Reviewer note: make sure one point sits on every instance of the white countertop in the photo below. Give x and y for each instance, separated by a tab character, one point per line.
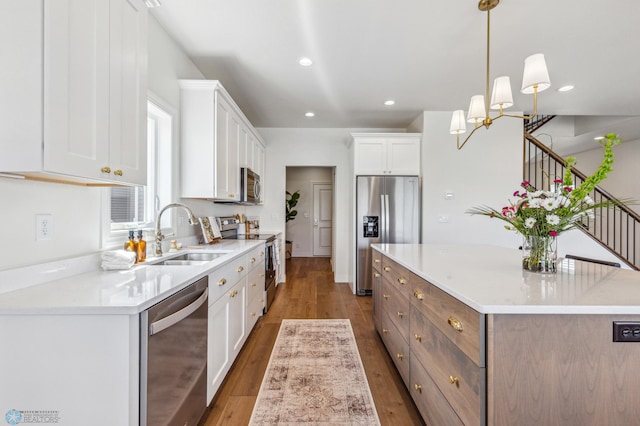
491	280
116	292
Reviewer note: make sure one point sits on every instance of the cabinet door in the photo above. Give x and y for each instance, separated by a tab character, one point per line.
377	300
128	91
227	169
370	156
258	157
237	317
403	156
218	353
245	150
76	87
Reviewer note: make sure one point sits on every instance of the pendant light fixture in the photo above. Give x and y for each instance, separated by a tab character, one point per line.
535	79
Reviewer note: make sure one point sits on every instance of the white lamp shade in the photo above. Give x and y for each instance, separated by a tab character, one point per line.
457	123
476	109
535	73
501	94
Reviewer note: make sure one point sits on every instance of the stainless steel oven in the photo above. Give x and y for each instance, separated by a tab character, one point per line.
270	272
173	361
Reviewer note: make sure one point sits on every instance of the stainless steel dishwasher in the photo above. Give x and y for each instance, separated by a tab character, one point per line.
173	358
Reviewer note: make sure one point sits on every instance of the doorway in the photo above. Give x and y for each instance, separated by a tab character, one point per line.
311	232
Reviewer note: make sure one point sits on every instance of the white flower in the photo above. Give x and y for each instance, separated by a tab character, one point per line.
564	201
553	219
549	193
536	194
534	203
530	222
588	200
550	204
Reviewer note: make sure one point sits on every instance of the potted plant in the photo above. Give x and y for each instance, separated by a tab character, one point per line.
290	202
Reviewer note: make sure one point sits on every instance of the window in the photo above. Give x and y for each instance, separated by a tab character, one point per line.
135	207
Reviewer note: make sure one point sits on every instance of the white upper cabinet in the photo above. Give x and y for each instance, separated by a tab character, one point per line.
386	153
217	140
84	90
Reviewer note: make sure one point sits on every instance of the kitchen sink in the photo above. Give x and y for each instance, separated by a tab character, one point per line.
193	259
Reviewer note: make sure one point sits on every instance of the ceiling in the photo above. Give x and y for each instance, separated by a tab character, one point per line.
424	54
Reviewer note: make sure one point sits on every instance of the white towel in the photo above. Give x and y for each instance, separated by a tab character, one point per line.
118	259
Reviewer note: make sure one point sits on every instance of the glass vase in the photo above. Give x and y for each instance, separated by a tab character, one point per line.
539	253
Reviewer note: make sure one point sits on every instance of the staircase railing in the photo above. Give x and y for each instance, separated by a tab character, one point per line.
616	228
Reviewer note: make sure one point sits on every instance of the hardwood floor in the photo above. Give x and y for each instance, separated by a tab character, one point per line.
311	293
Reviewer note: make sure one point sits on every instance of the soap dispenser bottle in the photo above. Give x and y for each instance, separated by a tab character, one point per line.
131	244
142	247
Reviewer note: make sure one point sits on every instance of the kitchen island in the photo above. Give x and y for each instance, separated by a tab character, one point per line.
477	340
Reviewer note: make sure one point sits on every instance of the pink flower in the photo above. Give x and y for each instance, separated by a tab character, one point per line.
557	181
567	188
516	194
553	233
525	184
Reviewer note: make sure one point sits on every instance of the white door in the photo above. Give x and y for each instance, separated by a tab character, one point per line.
322	216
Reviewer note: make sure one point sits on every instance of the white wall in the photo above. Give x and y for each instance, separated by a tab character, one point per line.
76	210
487	171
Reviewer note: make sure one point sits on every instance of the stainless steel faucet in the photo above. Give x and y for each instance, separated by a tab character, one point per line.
159	236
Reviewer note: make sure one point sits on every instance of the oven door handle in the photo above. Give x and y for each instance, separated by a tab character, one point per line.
176	317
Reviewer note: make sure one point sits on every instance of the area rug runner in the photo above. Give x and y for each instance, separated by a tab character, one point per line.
315	377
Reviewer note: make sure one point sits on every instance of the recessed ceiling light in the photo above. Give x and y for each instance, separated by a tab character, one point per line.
389	102
565	88
598	138
310	114
305	62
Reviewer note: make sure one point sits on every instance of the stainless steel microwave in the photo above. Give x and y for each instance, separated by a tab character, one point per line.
250	190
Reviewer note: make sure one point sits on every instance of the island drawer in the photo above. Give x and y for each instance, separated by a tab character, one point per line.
255	256
376	260
433	406
397	346
397	307
255	283
398	275
464	326
459	379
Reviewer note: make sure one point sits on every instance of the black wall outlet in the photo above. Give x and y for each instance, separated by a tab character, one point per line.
626	331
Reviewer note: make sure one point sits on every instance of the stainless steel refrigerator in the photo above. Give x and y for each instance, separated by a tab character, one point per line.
387	211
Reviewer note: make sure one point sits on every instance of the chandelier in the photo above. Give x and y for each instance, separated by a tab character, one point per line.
535	79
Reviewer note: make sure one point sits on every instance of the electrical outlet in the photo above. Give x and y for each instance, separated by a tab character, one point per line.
626	331
44	227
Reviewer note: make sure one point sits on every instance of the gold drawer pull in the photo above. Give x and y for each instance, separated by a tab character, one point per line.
240	268
262	275
253	314
418	295
385	331
454	381
418	337
222	282
262	253
376	275
252	260
253	284
402	281
117	172
455	323
233	293
418	388
399	356
231	195
386	269
106	169
385	296
400	314
376	261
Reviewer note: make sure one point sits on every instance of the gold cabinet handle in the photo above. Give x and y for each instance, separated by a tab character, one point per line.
233	293
385	331
117	172
418	295
240	268
455	323
376	275
262	275
454	381
386	269
399	356
262	253
418	337
402	281
222	282
376	261
417	387
400	314
385	296
231	195
106	169
252	260
253	284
